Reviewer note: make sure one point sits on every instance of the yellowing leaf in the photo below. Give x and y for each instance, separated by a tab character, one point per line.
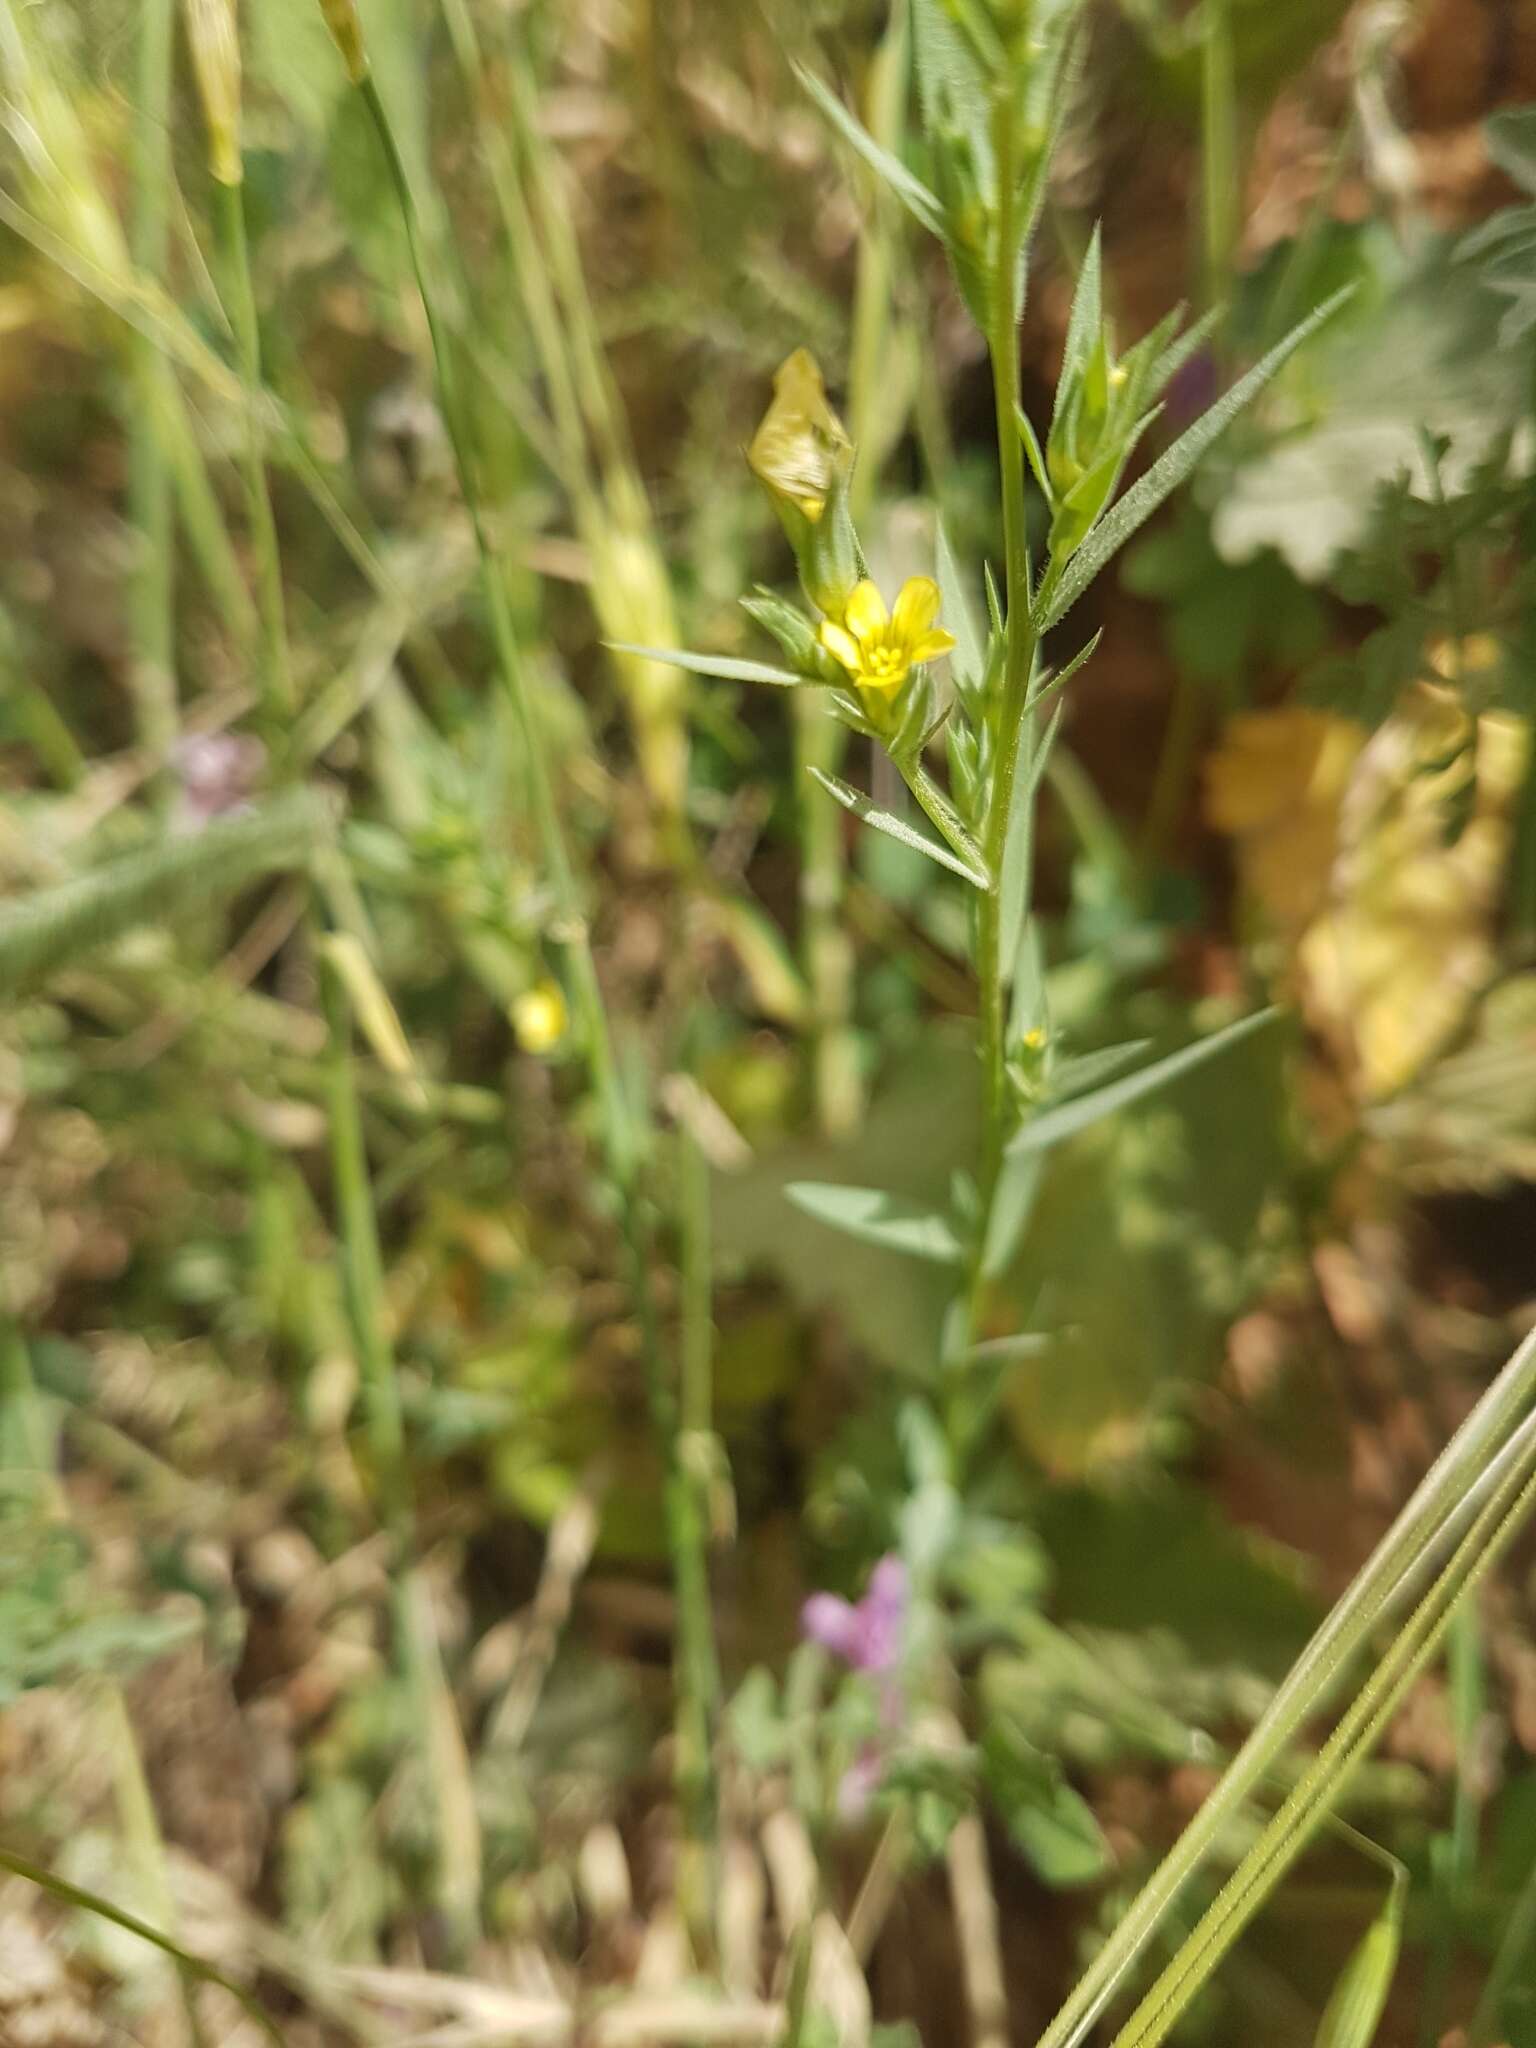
1275	786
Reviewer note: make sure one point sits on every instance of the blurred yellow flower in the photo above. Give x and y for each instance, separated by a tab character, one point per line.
539	1017
801	443
880	649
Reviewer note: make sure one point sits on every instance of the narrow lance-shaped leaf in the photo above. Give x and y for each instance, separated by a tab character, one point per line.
1087	316
725	666
1071	1117
54	926
910	190
1172	468
896	828
1359	1998
878	1218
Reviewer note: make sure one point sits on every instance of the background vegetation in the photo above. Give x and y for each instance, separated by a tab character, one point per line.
448	1332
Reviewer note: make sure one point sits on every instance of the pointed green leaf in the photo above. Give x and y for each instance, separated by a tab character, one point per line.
1065	1121
1173	467
1086	319
1092	1069
1057	679
52	927
878	1218
910	190
1036	455
896	828
1353	2012
726	666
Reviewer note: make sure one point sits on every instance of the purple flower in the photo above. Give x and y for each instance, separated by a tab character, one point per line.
867	1633
217	772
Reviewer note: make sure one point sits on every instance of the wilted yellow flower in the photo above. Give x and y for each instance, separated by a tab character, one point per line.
880	650
798	448
539	1017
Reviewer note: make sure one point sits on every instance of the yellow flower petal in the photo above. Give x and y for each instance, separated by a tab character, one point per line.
917	606
865	614
840	644
929	646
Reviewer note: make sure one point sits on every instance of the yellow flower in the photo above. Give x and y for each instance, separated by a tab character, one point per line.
539	1017
801	443
880	650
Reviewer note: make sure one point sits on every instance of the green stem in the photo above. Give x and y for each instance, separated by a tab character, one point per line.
240	300
151	500
698	1678
362	1278
1011	737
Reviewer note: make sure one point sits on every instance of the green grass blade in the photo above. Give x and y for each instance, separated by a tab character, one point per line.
1474	1454
91	1902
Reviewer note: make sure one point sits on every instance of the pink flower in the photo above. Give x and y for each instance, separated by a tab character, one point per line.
867	1633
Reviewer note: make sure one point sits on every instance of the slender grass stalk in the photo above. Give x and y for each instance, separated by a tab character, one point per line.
151	498
362	1272
92	1902
1312	1681
820	742
1361	1726
240	303
630	588
697	1668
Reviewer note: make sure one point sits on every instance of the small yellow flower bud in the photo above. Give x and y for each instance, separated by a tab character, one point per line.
213	38
346	29
539	1017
